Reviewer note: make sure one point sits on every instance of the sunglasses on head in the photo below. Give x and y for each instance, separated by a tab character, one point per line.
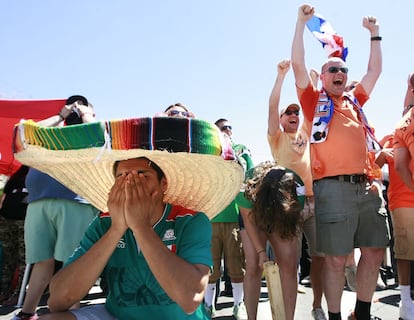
226	128
333	69
290	112
177	113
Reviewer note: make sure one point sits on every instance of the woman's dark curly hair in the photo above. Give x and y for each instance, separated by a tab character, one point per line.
276	208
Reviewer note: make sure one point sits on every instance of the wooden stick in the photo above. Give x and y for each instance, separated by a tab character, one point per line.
274	288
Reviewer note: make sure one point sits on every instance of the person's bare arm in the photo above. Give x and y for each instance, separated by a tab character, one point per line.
257	236
169	270
402	166
73	282
305	13
85	112
409	94
374	69
53	121
273	120
383	156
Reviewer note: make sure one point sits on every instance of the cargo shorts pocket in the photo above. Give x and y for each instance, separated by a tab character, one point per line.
332	218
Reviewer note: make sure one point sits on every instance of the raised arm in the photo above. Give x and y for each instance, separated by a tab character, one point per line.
403	153
85	112
375	56
409	94
54	121
305	13
274	100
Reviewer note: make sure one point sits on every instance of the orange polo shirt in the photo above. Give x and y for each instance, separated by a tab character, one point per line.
399	195
345	150
404	135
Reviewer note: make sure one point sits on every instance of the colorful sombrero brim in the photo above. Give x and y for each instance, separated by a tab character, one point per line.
82	158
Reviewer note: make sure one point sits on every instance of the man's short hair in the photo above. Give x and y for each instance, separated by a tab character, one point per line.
178	104
220	121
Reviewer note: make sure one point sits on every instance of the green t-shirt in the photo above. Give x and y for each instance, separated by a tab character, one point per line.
231	212
133	291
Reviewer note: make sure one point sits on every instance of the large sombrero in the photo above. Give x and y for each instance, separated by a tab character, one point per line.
189	151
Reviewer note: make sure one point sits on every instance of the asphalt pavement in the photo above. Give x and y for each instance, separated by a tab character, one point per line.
384	306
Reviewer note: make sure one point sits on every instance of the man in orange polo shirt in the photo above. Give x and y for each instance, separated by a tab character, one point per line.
349	211
401	199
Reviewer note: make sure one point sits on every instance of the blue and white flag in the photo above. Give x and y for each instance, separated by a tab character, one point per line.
331	41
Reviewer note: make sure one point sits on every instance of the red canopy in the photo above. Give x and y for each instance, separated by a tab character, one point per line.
11	112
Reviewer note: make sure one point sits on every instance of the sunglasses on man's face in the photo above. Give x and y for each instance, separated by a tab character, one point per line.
223	128
337	69
173	113
290	112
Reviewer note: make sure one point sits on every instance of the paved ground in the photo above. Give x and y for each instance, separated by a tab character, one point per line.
385	304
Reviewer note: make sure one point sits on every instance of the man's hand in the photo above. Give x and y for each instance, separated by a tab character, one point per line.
139	202
116	202
370	23
305	13
66	111
283	67
388	154
84	109
262	259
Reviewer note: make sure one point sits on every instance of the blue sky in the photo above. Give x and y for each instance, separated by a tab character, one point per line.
133	58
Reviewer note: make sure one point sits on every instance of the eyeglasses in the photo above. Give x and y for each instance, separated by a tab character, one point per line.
333	69
290	112
173	113
226	128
